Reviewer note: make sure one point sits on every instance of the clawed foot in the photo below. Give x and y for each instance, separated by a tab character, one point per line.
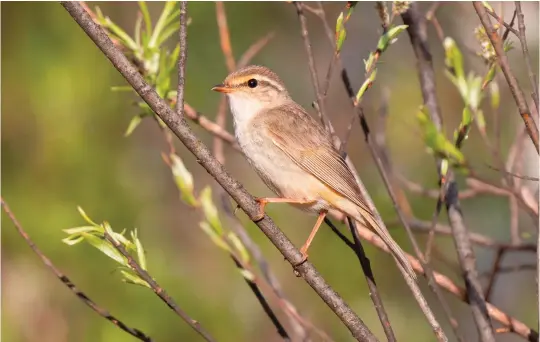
304	257
260	215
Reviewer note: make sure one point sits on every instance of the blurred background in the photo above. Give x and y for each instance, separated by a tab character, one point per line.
63	146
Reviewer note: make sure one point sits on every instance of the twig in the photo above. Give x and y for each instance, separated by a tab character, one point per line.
444	282
182	59
356	106
359	251
248	204
525	49
370	279
311	62
509	27
66	281
158	290
254	49
517	93
449	193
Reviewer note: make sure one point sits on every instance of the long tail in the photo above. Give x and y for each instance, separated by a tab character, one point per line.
388	240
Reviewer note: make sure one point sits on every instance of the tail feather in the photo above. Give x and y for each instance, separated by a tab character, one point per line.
388	240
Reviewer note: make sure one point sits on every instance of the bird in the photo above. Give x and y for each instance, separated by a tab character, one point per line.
294	155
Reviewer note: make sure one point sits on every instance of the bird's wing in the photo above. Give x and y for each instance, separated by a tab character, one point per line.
301	138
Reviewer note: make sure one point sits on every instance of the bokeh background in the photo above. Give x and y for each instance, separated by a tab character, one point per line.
63	146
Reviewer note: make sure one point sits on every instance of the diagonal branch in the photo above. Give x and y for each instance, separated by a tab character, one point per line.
248	204
158	290
66	281
517	93
449	192
182	59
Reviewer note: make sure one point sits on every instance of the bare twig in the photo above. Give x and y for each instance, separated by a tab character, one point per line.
356	106
509	27
158	290
512	324
311	62
182	59
525	49
502	59
248	204
418	35
66	281
254	49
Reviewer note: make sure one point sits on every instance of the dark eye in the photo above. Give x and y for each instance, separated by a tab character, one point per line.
252	83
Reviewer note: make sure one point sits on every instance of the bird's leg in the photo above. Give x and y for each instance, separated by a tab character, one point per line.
305	247
264	201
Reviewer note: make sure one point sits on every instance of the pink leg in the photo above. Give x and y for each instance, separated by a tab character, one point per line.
305	247
264	201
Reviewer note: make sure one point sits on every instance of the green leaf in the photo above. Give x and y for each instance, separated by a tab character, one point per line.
490	75
365	86
134	123
139	248
239	246
480	121
466	117
474	92
210	210
390	37
160	25
487	5
340	39
138	28
85	217
146	16
104	246
133	278
495	95
436	141
183	179
247	274
339	23
83	229
217	239
73	240
454	58
168	31
124	38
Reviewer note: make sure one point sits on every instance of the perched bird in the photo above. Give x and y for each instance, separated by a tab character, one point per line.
294	154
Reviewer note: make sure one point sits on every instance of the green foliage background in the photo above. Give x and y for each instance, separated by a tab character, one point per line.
63	146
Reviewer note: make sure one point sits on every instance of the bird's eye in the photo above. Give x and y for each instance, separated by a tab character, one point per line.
252	83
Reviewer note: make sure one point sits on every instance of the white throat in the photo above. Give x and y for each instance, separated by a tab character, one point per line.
244	108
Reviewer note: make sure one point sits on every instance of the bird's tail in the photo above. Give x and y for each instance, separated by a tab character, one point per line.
367	217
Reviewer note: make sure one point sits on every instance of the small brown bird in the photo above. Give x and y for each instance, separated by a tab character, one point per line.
294	154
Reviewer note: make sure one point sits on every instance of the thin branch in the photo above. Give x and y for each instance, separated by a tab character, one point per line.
158	290
509	27
311	62
248	204
370	279
254	49
444	282
517	93
356	106
418	35
182	59
525	49
67	282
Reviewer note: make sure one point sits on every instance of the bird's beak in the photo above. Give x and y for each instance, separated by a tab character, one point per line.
221	88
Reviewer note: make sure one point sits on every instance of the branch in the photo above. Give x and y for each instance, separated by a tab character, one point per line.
181	129
509	322
66	281
158	290
182	59
525	49
418	35
517	93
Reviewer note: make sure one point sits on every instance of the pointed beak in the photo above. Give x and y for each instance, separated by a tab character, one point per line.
221	88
